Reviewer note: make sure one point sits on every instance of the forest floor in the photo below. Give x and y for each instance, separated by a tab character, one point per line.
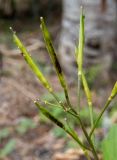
25	134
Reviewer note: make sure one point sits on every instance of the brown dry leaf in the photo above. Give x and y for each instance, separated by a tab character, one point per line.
59	144
71	154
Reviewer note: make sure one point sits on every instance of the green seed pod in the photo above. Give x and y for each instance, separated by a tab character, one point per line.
54	58
52	53
31	63
81	41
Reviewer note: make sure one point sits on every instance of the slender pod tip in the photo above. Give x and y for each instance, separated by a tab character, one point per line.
82	11
11	29
82	8
35	101
45	102
14	32
41	18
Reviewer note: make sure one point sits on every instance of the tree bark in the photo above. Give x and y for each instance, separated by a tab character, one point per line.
99	33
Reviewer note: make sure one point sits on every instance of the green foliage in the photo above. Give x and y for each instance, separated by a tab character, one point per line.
109	145
85	114
24	125
72	144
58	132
58	112
91	74
4	133
48	97
8	148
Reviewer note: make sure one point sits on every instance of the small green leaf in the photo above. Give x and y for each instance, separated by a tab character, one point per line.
58	132
31	63
24	125
4	133
72	144
8	148
109	145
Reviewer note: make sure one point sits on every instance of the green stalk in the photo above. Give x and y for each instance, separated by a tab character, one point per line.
87	155
89	140
60	124
91	118
86	135
74	113
79	54
79	90
89	99
99	117
113	94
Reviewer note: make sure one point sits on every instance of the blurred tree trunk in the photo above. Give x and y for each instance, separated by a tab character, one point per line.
22	8
99	33
6	8
10	7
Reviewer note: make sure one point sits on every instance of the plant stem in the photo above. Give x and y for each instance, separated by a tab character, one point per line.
91	118
89	97
78	141
67	98
112	95
98	119
88	139
80	121
87	155
58	101
86	135
79	89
